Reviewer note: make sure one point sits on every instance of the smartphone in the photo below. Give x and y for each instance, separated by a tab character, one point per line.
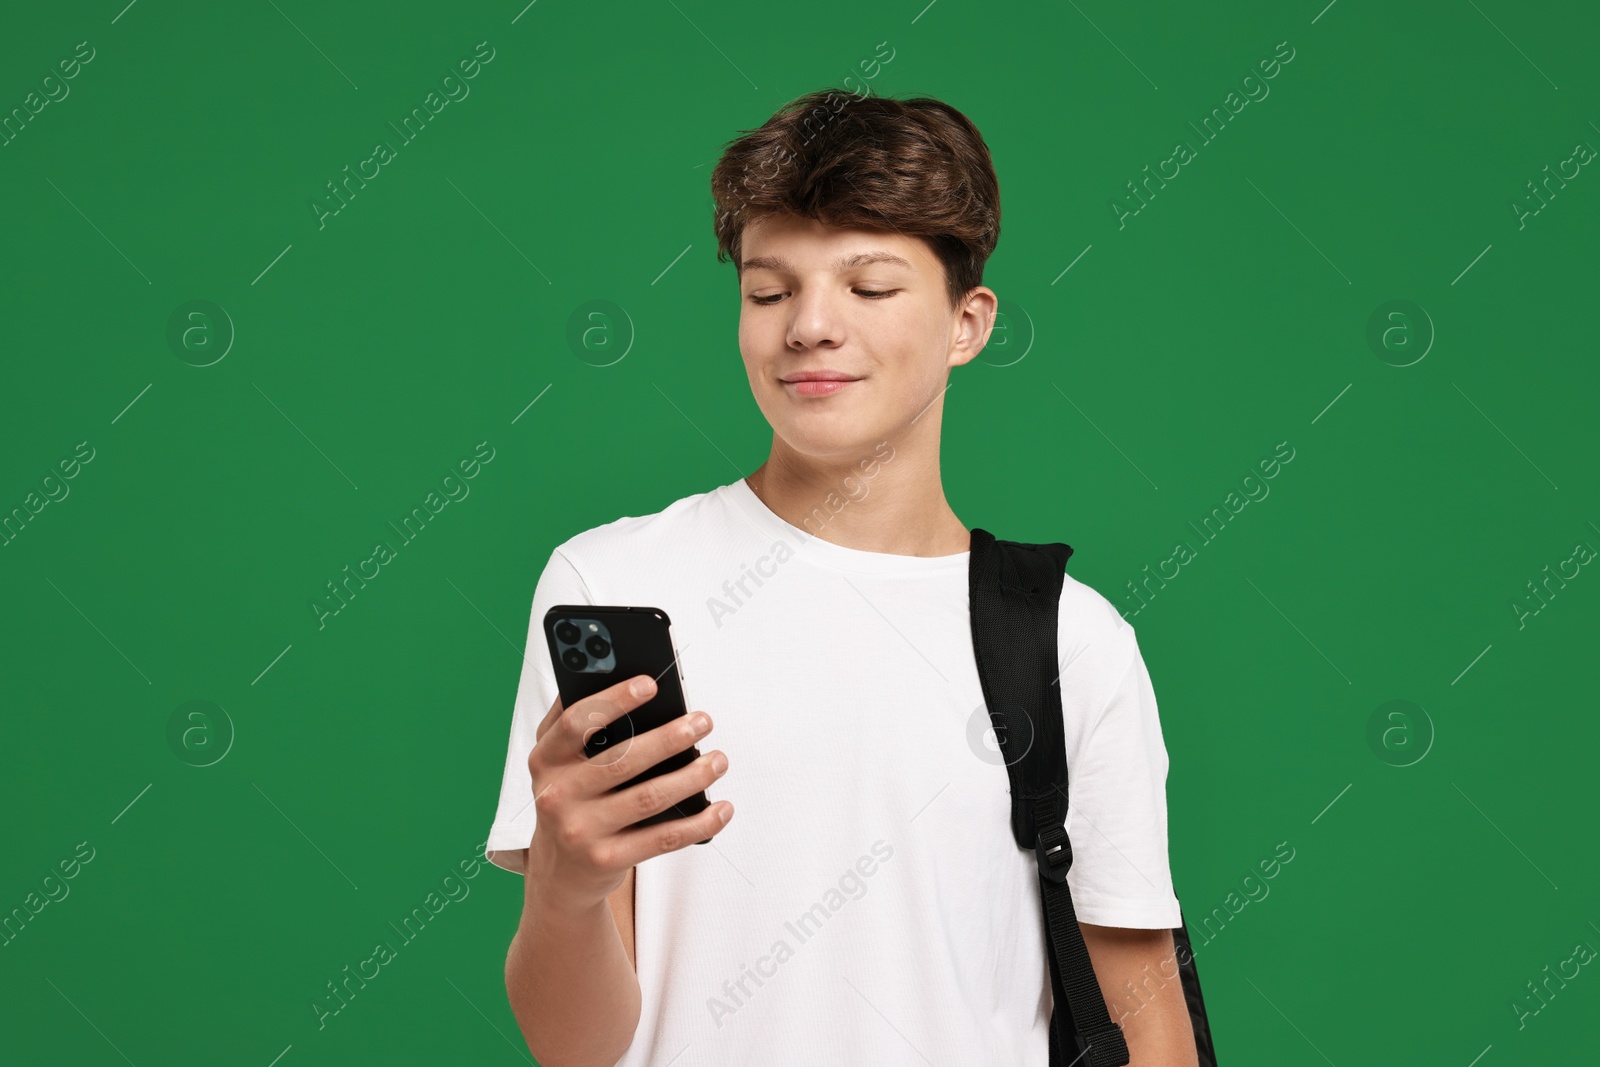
594	647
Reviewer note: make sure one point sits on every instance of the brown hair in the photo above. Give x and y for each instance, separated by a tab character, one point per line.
917	167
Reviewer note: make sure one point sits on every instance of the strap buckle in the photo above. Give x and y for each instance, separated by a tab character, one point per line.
1054	853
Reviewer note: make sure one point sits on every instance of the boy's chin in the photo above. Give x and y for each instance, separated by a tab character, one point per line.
849	444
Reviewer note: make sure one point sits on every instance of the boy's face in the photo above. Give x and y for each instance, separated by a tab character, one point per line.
807	303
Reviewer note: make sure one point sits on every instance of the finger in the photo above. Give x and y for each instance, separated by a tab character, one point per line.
575	725
655	795
635	755
549	718
636	846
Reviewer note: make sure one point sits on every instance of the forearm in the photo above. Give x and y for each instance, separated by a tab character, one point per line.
1160	1034
1140	978
572	989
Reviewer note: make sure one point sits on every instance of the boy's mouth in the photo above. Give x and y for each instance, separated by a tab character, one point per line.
818	382
819	386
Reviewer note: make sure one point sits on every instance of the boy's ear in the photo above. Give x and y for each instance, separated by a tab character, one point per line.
975	318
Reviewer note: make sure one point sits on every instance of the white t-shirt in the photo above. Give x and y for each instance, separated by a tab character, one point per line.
867	903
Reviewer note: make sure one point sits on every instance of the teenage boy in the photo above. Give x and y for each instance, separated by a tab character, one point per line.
869	904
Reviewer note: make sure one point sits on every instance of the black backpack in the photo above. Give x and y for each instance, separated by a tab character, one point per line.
1015	592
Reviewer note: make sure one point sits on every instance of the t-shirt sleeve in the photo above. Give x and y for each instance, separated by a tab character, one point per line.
512	829
1117	810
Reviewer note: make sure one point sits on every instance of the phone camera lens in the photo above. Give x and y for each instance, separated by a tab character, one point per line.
568	632
574	659
598	647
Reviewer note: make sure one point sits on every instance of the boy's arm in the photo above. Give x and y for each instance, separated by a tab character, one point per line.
1132	968
569	972
571	980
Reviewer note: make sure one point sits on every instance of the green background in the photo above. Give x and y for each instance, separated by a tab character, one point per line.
1122	400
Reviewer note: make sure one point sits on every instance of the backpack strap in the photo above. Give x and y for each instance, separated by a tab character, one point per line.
1014	590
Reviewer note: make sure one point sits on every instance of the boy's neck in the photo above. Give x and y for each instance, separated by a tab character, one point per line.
898	508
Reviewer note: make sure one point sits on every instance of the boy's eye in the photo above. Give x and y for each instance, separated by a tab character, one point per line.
873	294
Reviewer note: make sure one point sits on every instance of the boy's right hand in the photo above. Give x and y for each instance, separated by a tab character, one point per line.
582	847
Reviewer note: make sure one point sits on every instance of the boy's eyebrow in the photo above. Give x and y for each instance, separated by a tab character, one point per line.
843	263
